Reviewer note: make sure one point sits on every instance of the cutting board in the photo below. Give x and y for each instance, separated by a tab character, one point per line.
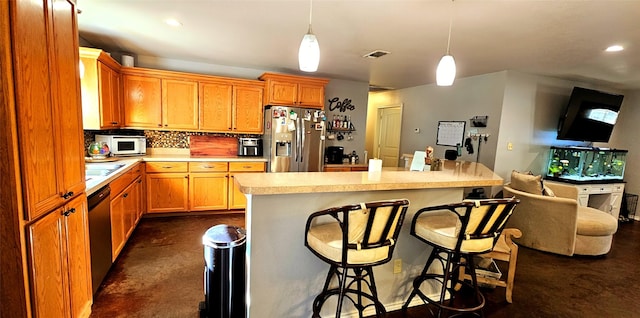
213	146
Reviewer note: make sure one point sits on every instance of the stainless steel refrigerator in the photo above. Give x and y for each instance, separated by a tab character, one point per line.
293	139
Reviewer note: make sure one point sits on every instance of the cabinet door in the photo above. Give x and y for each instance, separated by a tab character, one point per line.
49	282
142	101
109	83
167	192
117	225
35	111
179	104
248	110
282	93
237	200
311	95
215	106
78	256
208	191
131	205
68	107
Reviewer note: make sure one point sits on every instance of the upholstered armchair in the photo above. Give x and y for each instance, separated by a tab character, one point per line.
556	223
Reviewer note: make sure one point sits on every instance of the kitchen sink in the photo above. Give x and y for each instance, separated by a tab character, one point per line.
101	170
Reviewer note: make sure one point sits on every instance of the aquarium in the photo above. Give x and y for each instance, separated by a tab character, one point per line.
586	164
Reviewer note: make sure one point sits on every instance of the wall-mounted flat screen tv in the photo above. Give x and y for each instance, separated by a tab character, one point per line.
590	115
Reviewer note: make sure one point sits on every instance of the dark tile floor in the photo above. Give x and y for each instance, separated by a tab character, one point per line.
159	274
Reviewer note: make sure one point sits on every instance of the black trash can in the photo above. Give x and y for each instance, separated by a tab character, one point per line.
224	272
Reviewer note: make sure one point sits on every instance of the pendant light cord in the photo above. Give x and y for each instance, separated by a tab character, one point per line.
310	13
450	24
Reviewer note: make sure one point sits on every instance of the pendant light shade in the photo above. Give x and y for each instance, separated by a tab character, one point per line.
446	71
309	52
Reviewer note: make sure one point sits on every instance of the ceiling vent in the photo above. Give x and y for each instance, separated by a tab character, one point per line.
376	88
376	54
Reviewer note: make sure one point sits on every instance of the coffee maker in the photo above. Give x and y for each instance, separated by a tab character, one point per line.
334	154
250	147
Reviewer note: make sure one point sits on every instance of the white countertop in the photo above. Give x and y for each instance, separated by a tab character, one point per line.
454	174
94	183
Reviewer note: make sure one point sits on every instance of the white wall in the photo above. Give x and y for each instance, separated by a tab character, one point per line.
523	110
530	113
357	94
625	136
424	106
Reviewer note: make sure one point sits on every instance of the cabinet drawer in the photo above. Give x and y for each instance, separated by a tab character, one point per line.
584	189
207	166
167	166
246	166
618	187
601	189
121	182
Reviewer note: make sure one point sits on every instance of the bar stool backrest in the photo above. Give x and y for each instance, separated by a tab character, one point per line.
484	219
368	225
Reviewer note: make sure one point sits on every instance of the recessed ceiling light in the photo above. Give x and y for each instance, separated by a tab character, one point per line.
173	22
615	48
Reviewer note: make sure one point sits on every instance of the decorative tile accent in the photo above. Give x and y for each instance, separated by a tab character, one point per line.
158	138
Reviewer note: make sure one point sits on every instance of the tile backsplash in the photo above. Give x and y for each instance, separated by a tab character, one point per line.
156	138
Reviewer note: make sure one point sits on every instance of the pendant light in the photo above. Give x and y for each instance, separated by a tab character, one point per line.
446	71
309	53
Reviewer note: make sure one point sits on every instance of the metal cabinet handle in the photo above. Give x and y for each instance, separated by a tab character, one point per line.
68	212
67	195
125	195
167	167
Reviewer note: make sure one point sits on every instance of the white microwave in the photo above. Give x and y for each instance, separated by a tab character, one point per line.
124	145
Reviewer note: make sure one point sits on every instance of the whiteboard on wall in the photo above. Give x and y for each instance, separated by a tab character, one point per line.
450	133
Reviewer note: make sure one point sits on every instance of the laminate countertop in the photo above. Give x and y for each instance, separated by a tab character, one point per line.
453	174
94	183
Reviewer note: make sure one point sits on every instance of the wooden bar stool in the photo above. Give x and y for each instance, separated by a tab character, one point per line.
353	239
505	250
457	232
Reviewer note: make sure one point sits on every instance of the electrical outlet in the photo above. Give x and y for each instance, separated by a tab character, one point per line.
509	146
397	266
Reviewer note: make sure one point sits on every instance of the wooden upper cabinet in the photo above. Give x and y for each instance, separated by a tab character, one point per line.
142	97
290	90
247	109
179	104
282	93
215	106
311	94
101	90
231	106
49	117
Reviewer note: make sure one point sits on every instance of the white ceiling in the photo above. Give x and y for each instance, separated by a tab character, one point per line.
562	38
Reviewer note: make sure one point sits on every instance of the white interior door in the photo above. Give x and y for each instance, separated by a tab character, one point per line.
389	128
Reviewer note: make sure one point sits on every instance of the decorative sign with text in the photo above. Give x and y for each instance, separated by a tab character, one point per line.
341	106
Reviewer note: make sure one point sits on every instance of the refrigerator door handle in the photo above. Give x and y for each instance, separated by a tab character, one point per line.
302	136
298	139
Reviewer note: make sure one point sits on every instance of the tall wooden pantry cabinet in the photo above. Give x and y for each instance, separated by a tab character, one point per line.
44	258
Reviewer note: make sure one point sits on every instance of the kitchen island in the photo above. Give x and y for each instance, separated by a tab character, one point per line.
284	276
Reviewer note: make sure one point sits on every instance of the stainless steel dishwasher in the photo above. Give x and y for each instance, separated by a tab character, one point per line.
100	235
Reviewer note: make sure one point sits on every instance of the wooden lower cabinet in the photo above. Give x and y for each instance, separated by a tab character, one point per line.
126	208
167	192
208	191
237	200
203	186
60	263
347	168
